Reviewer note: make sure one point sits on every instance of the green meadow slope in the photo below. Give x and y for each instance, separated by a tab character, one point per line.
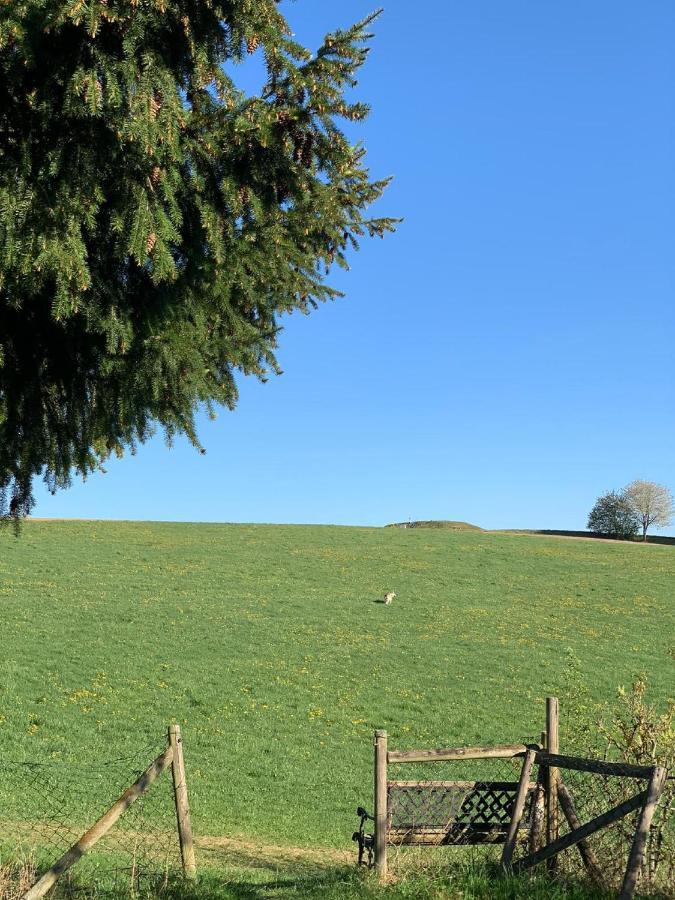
267	644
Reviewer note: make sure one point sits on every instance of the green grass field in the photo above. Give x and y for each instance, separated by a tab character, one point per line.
266	644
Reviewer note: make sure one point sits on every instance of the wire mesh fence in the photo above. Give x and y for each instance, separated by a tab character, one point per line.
585	795
46	806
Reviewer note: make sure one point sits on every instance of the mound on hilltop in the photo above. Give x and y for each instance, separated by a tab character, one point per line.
437	523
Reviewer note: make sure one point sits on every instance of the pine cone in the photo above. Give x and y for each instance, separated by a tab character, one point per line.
252	44
307	151
155	175
150	243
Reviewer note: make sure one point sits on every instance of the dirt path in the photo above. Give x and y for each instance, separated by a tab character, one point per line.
242	851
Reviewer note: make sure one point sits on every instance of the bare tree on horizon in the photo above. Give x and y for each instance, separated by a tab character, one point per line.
653	504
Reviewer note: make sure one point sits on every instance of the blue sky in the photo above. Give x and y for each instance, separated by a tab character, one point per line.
508	354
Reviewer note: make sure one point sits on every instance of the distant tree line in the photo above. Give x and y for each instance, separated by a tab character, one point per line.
640	505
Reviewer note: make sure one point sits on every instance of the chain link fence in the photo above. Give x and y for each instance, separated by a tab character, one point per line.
46	806
588	795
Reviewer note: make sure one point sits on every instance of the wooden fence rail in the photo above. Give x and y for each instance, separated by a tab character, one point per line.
505	751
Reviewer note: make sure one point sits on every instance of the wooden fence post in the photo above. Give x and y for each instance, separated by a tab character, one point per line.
586	852
552	746
381	804
518	807
656	783
538	804
187	850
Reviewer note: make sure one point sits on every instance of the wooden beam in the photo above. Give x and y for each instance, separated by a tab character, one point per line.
497	785
538	804
518	807
538	815
381	804
101	827
569	840
446	835
187	847
588	857
552	745
656	784
598	766
505	751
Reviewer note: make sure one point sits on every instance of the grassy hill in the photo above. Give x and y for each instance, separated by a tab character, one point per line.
437	523
267	644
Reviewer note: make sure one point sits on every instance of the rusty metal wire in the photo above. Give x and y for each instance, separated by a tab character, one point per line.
46	806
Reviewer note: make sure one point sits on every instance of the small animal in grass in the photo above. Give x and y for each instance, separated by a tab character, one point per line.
388	597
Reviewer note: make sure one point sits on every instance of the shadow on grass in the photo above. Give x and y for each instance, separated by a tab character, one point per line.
290	874
342	883
351	885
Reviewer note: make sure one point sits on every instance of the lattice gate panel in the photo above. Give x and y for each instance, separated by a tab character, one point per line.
450	812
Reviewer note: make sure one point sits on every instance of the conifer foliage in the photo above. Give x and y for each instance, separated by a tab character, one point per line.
155	221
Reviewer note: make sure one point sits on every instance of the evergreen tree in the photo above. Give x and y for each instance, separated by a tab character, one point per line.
613	515
155	221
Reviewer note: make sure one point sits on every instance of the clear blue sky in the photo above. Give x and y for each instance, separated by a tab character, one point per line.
508	354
